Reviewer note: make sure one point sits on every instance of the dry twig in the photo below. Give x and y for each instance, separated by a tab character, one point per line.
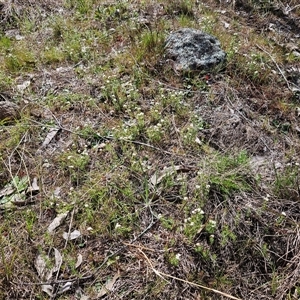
162	275
277	66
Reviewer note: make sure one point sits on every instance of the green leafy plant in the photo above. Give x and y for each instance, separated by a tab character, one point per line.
14	191
226	235
174	259
194	223
75	164
167	223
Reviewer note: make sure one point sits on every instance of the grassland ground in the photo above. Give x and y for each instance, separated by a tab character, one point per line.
122	179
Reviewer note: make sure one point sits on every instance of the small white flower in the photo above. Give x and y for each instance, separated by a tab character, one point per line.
213	223
117	226
200	211
178	256
283	213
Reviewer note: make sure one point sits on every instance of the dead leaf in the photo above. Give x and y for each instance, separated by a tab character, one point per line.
58	260
72	236
157	178
47	288
6	191
108	285
45	273
65	287
52	133
197	140
79	261
41	267
57	221
34	188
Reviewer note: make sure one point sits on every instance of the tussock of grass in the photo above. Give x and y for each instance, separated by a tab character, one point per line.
180	187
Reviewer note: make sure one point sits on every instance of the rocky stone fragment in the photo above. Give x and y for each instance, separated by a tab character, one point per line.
8	110
193	50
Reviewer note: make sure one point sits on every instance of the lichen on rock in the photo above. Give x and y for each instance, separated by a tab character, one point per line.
193	50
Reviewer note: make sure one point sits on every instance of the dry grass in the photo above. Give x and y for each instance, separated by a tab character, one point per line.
180	188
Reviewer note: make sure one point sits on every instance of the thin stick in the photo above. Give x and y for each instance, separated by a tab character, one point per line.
70	227
139	247
161	274
107	138
281	72
142	144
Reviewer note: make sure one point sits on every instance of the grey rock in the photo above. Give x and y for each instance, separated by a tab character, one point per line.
193	50
8	110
